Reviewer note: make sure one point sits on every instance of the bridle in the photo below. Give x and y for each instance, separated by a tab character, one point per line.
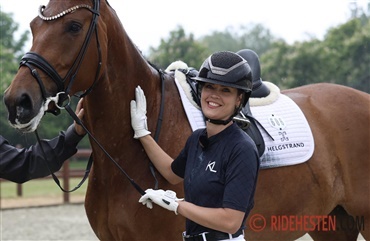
32	59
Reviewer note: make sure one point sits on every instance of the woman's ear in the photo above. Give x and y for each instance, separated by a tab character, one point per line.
239	100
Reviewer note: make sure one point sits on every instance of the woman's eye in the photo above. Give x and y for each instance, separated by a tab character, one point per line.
208	86
226	90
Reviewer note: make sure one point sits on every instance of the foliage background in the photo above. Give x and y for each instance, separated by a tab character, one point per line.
342	57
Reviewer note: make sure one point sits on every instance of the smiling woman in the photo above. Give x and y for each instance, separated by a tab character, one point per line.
218	164
229	96
226	74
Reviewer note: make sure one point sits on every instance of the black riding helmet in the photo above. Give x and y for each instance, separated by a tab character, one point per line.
228	69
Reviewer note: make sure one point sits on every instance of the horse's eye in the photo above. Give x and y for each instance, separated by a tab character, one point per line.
74	27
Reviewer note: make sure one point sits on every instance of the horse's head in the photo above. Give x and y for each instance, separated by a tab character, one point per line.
65	58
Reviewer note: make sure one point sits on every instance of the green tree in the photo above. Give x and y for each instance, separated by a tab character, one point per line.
349	45
274	65
10	50
257	37
178	46
182	46
7	30
251	36
222	40
342	58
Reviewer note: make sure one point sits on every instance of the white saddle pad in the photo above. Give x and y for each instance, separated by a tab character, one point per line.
293	141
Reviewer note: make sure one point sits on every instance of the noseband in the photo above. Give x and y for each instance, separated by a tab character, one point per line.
32	59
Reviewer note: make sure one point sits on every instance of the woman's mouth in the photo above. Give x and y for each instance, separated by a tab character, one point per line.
213	104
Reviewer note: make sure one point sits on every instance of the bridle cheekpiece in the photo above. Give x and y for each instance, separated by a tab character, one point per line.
32	59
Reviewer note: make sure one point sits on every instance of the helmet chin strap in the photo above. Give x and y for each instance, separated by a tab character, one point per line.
222	122
219	122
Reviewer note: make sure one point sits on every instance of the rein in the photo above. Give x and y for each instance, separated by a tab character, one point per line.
156	137
159	124
33	59
78	121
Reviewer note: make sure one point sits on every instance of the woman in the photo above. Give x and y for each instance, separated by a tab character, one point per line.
21	165
219	164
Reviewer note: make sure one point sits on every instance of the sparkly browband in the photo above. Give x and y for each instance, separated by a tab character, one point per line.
59	15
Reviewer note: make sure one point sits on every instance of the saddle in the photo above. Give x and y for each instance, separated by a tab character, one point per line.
244	119
259	90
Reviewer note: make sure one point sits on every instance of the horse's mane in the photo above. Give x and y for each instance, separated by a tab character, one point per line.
138	49
106	1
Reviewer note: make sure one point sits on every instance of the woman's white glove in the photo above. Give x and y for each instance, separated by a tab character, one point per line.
138	114
166	199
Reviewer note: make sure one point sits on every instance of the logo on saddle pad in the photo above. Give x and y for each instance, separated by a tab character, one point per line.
276	121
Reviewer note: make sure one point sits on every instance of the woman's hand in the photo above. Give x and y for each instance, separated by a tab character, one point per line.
80	114
138	114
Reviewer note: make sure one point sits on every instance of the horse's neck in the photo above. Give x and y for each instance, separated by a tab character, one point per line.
126	68
126	61
123	58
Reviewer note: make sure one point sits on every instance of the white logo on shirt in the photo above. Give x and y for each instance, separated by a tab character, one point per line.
211	165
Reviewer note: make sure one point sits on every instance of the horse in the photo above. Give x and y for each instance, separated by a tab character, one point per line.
85	41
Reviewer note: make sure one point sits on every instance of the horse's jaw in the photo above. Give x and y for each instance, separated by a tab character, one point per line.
32	125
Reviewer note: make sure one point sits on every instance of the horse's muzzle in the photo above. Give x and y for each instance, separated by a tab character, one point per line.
21	108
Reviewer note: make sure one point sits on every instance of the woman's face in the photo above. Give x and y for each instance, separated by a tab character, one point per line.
218	101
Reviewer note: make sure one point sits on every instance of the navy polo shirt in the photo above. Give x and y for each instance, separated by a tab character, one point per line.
218	172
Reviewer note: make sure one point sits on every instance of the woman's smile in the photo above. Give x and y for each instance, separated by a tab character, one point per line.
212	104
219	101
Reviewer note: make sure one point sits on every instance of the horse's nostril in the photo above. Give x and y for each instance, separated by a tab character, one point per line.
25	102
24	108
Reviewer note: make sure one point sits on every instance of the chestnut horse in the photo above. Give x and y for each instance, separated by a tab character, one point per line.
89	46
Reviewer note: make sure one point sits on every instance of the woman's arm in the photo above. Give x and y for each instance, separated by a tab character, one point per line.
222	219
161	160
